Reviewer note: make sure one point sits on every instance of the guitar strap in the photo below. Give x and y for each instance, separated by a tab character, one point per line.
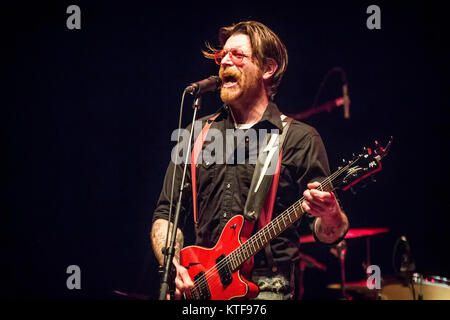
194	157
263	188
260	201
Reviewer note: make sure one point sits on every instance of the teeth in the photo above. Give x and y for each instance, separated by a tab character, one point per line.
229	80
229	84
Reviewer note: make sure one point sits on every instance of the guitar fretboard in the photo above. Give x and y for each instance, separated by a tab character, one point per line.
269	232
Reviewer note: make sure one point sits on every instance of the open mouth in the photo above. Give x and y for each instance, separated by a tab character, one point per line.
229	81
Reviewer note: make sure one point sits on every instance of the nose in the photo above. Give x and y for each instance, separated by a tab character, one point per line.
227	59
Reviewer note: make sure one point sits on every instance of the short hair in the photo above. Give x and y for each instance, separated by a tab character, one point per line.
265	44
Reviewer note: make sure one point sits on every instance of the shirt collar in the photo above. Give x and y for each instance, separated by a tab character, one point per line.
271	114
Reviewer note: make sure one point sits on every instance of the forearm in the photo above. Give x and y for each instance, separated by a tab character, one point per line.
158	239
331	228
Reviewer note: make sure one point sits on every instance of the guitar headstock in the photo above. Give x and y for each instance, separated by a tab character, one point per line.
362	166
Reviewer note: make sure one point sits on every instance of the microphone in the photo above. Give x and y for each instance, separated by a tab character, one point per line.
345	95
212	83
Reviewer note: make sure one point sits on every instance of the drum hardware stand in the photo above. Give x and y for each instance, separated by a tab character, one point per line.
340	251
408	266
301	288
367	263
304	262
420	296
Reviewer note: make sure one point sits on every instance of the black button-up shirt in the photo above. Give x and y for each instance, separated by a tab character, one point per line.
223	187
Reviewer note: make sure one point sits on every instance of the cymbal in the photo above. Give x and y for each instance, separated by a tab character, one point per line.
352	233
357	285
358	288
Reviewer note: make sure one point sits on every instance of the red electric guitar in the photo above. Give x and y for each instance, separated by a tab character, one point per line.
218	272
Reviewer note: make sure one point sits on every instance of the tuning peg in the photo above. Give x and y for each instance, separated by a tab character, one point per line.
367	151
378	148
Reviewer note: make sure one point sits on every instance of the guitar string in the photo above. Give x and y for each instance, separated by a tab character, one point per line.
224	262
244	247
252	239
210	273
247	246
214	282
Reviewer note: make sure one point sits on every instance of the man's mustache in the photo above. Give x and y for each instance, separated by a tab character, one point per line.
229	73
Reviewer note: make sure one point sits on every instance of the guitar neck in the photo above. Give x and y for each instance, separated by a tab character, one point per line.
269	232
354	171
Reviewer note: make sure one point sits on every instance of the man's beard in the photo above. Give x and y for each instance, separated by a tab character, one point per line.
236	86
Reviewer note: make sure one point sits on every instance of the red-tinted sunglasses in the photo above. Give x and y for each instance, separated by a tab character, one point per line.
236	55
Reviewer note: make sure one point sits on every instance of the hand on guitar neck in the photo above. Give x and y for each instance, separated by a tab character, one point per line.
331	222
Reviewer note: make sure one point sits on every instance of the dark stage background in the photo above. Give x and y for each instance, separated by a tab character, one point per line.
87	115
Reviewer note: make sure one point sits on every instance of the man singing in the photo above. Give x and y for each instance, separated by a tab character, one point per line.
252	62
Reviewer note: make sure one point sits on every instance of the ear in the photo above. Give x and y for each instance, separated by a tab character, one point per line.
269	69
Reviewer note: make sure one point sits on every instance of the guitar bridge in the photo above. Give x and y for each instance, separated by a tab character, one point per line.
201	286
224	271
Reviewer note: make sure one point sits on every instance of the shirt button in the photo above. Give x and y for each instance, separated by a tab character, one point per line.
228	186
224	214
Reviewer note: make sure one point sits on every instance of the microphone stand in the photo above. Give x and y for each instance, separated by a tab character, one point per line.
170	251
327	106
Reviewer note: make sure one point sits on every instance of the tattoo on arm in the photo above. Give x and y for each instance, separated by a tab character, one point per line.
331	231
158	239
328	231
